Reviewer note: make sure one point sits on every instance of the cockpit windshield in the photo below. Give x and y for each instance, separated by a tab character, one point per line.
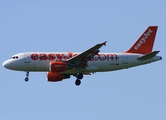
14	57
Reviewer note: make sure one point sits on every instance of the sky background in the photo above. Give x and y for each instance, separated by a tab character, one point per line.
132	94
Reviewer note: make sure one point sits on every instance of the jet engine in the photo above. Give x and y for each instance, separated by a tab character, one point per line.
55	77
59	66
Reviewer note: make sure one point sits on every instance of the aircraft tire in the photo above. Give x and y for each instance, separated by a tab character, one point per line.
80	76
26	79
78	82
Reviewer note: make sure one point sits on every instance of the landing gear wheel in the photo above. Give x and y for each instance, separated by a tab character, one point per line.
79	75
78	82
26	79
27	74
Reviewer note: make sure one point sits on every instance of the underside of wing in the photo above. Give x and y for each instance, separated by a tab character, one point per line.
80	61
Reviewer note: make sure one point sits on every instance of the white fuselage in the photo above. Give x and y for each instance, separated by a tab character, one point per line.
40	61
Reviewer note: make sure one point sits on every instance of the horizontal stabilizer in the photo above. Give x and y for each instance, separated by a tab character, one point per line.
148	56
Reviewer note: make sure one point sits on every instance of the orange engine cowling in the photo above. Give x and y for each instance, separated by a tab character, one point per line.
58	66
55	77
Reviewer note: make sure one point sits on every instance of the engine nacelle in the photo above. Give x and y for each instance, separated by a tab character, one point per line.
58	66
55	77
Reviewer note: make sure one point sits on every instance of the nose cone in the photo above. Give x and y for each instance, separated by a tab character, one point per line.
8	64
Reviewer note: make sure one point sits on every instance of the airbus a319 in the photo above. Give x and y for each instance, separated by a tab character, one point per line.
63	65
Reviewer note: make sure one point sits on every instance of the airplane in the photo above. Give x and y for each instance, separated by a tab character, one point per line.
63	65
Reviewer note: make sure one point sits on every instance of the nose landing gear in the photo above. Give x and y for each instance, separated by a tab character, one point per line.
26	78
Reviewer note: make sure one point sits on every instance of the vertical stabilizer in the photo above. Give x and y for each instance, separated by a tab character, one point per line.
144	44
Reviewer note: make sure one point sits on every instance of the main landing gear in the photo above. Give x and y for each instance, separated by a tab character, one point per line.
78	82
26	78
79	76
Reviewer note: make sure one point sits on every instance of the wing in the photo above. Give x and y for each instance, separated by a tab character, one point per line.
81	59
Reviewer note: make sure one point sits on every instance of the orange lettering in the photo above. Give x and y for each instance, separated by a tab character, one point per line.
34	56
95	58
59	56
43	57
51	56
102	57
70	54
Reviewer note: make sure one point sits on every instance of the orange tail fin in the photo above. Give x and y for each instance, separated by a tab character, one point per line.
145	43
